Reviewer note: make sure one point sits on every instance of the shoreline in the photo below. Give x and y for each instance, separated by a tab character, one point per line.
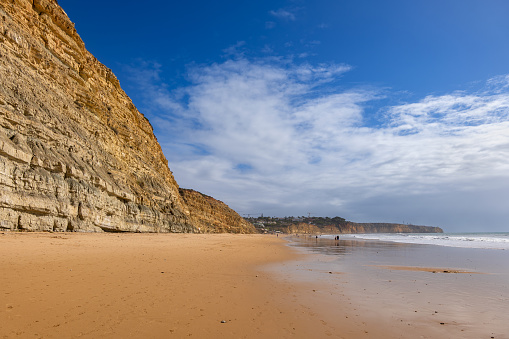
402	290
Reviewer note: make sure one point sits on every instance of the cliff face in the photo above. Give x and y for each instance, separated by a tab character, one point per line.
75	153
213	216
352	227
303	228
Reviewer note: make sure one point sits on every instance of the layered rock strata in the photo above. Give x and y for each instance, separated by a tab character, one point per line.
75	153
214	216
353	227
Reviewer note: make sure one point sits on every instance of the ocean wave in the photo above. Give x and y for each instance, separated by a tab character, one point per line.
467	240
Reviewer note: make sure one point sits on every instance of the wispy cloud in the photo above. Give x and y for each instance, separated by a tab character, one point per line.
270	24
234	50
260	135
283	14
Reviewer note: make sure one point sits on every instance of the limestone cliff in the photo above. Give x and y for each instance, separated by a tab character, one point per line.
353	227
75	153
303	228
213	216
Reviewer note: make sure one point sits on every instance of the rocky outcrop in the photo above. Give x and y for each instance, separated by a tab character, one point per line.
214	216
352	227
75	153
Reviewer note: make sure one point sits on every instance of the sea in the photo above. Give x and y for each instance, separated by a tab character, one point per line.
455	285
496	241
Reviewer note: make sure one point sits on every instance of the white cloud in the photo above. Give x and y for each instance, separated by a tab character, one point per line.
234	50
283	14
453	111
266	135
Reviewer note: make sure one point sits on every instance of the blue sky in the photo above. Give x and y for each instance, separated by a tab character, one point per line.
394	111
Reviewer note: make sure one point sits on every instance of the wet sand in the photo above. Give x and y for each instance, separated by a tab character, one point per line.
211	286
400	290
425	269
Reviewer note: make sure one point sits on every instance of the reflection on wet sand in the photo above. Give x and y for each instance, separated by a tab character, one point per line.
342	246
424	269
406	286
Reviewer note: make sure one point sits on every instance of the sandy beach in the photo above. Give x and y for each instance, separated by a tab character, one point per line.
67	285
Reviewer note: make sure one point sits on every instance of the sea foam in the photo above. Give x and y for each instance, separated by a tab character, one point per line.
498	241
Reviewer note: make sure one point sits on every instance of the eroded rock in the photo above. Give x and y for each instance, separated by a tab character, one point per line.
75	153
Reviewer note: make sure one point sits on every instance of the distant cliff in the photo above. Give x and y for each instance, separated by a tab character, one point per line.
352	227
75	153
336	225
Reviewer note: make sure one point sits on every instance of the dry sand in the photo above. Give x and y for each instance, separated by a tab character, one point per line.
148	286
